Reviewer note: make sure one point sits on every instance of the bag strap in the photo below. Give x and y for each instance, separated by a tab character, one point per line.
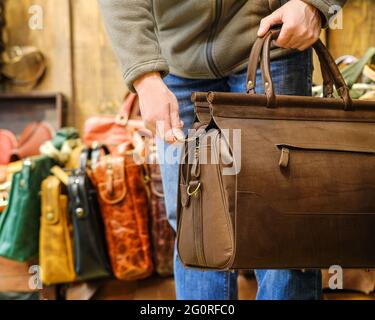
60	174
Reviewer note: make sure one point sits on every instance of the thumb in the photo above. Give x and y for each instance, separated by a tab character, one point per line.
176	123
267	22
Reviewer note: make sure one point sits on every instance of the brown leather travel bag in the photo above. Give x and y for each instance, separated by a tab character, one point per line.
288	182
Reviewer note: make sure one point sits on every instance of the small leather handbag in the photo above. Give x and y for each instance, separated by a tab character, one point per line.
287	182
20	222
124	206
90	256
55	243
162	234
8	142
31	139
113	130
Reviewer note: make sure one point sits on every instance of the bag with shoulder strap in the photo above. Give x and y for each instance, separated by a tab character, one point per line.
123	200
289	181
55	243
90	256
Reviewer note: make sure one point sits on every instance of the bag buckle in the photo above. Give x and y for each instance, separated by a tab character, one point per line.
196	190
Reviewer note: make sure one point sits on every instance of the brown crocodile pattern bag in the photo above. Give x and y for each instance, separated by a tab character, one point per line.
124	206
163	236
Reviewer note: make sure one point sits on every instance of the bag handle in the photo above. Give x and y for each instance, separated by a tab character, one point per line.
255	56
330	72
126	110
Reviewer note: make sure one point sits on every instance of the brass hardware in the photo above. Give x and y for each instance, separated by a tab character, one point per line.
250	85
22	183
50	216
80	213
195	192
266	84
146	179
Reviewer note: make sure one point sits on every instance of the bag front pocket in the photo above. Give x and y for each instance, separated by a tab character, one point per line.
322	179
287	148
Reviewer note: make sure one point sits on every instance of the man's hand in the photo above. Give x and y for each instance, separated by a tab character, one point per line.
301	25
159	107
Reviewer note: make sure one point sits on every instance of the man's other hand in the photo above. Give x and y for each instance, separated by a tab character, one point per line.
301	25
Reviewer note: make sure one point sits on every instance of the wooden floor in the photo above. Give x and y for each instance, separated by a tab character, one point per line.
163	289
14	277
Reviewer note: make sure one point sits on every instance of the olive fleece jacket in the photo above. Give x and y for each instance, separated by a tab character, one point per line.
198	39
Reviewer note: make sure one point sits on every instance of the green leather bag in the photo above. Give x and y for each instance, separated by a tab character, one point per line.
19	224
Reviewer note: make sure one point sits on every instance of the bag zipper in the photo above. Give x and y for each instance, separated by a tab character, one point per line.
286	148
209	49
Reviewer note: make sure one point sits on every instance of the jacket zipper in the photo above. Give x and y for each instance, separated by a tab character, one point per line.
209	49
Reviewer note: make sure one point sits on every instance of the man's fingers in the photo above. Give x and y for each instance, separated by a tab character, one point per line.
285	37
267	22
175	120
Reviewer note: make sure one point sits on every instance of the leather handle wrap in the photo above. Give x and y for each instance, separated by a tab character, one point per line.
330	71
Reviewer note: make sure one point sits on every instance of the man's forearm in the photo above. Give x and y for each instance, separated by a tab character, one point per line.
130	25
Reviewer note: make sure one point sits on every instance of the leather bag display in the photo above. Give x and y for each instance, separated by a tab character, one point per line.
113	130
90	256
56	250
162	234
8	142
19	223
124	206
295	189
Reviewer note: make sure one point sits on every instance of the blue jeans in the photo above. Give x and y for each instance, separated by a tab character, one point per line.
291	76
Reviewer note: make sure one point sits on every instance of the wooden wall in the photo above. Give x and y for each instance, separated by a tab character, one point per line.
80	59
358	31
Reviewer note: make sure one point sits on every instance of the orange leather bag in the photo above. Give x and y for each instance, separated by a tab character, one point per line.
123	200
113	130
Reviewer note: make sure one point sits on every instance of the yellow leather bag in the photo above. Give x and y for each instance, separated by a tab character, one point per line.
56	250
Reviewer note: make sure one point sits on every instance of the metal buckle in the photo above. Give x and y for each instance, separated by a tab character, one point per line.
195	192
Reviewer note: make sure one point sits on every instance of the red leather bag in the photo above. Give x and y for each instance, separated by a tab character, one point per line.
113	130
123	201
31	139
8	142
